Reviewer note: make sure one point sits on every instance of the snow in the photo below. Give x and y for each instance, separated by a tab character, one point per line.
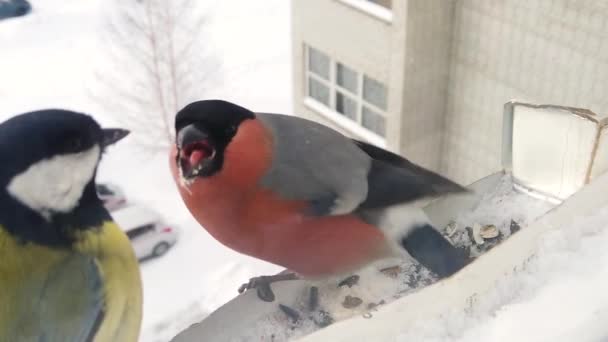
499	207
561	296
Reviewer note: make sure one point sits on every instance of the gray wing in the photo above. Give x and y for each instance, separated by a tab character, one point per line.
317	164
70	304
339	175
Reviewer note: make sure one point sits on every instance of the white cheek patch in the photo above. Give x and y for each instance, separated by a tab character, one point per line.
398	221
55	184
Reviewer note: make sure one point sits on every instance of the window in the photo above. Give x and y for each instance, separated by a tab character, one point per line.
318	91
318	70
139	231
318	63
104	190
374	92
346	106
346	77
373	120
346	92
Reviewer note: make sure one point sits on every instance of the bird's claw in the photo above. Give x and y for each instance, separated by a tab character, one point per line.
262	285
251	284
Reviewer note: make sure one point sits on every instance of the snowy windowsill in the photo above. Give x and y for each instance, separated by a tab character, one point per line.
345	123
372	9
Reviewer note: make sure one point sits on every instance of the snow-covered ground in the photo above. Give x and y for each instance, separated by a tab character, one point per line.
47	59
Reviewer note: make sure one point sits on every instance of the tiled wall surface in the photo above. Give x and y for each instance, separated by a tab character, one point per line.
541	51
425	80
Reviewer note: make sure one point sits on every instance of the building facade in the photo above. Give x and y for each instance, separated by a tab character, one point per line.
428	78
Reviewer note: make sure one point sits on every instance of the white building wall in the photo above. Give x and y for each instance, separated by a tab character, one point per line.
549	51
425	79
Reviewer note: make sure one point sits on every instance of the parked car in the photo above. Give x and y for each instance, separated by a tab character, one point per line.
111	195
14	8
149	235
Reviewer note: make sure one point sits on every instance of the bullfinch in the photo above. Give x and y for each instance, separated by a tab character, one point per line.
301	195
67	272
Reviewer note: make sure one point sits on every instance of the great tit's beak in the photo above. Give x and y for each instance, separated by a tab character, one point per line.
112	135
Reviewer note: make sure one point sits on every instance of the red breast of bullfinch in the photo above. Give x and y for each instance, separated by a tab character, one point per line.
301	195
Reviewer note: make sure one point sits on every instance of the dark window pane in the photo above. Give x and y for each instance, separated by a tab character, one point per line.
373	121
318	63
104	190
346	106
346	77
139	231
374	92
318	91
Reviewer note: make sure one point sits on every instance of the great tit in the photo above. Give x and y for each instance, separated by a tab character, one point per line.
67	271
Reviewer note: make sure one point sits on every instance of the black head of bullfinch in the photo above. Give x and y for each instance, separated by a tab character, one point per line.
202	140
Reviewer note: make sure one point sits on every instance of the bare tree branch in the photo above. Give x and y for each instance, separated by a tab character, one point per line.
160	60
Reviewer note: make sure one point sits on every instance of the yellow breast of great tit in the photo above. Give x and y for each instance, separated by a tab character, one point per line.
90	292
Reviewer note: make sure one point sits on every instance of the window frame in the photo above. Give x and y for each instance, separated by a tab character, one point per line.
330	110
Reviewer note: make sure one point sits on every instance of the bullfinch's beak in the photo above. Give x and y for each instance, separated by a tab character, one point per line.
189	135
112	135
195	151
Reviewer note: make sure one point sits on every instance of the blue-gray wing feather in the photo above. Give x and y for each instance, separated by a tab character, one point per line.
70	303
314	163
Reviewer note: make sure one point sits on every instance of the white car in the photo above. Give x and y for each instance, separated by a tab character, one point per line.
111	196
14	8
149	235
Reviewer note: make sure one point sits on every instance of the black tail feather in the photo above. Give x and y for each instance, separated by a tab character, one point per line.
434	252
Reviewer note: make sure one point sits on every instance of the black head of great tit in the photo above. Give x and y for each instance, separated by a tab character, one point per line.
49	161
